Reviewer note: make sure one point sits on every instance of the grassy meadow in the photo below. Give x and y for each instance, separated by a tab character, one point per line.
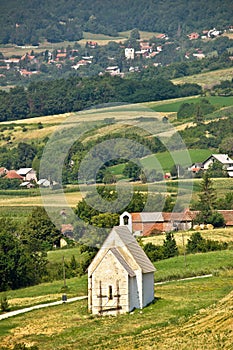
194	313
217	101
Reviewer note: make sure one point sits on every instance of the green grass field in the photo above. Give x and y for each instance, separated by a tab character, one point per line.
165	159
217	101
186	310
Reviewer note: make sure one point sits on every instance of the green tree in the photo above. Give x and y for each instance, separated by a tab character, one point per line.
226	146
18	265
169	246
105	220
39	232
207	199
132	170
208	203
134	34
154	252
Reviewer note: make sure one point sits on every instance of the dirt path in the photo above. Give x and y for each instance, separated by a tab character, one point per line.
40	306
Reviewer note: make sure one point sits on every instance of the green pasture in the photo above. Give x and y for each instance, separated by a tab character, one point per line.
166	270
217	101
166	159
193	265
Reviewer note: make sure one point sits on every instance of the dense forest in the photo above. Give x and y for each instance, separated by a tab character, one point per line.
29	21
74	94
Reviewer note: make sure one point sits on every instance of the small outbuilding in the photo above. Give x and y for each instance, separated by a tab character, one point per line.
121	276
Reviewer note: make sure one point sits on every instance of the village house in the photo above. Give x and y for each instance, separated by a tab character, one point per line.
113	70
193	36
121	276
195	167
28	174
43	183
230	171
26	184
223	159
129	53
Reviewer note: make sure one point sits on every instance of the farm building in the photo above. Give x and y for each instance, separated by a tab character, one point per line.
147	223
121	276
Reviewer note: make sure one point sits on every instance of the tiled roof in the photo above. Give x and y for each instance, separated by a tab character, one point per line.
12	174
228	216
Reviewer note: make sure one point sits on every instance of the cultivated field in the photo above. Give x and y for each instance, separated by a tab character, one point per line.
208	79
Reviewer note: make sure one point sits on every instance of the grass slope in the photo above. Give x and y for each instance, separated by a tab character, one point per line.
217	101
177	314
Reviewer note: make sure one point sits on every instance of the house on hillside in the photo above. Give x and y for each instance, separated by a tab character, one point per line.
193	36
223	159
28	174
113	70
129	53
121	276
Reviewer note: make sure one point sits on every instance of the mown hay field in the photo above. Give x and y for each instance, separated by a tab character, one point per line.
181	237
207	79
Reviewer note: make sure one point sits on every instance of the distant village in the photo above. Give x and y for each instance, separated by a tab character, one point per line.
73	58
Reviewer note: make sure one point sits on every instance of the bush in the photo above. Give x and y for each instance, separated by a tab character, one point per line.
4	304
154	252
197	244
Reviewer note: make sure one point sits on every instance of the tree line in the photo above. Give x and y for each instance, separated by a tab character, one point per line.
75	94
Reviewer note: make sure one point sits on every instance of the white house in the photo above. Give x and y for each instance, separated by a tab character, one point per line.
121	276
28	174
113	70
129	53
224	159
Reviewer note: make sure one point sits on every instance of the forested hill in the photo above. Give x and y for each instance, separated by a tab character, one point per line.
29	21
74	94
